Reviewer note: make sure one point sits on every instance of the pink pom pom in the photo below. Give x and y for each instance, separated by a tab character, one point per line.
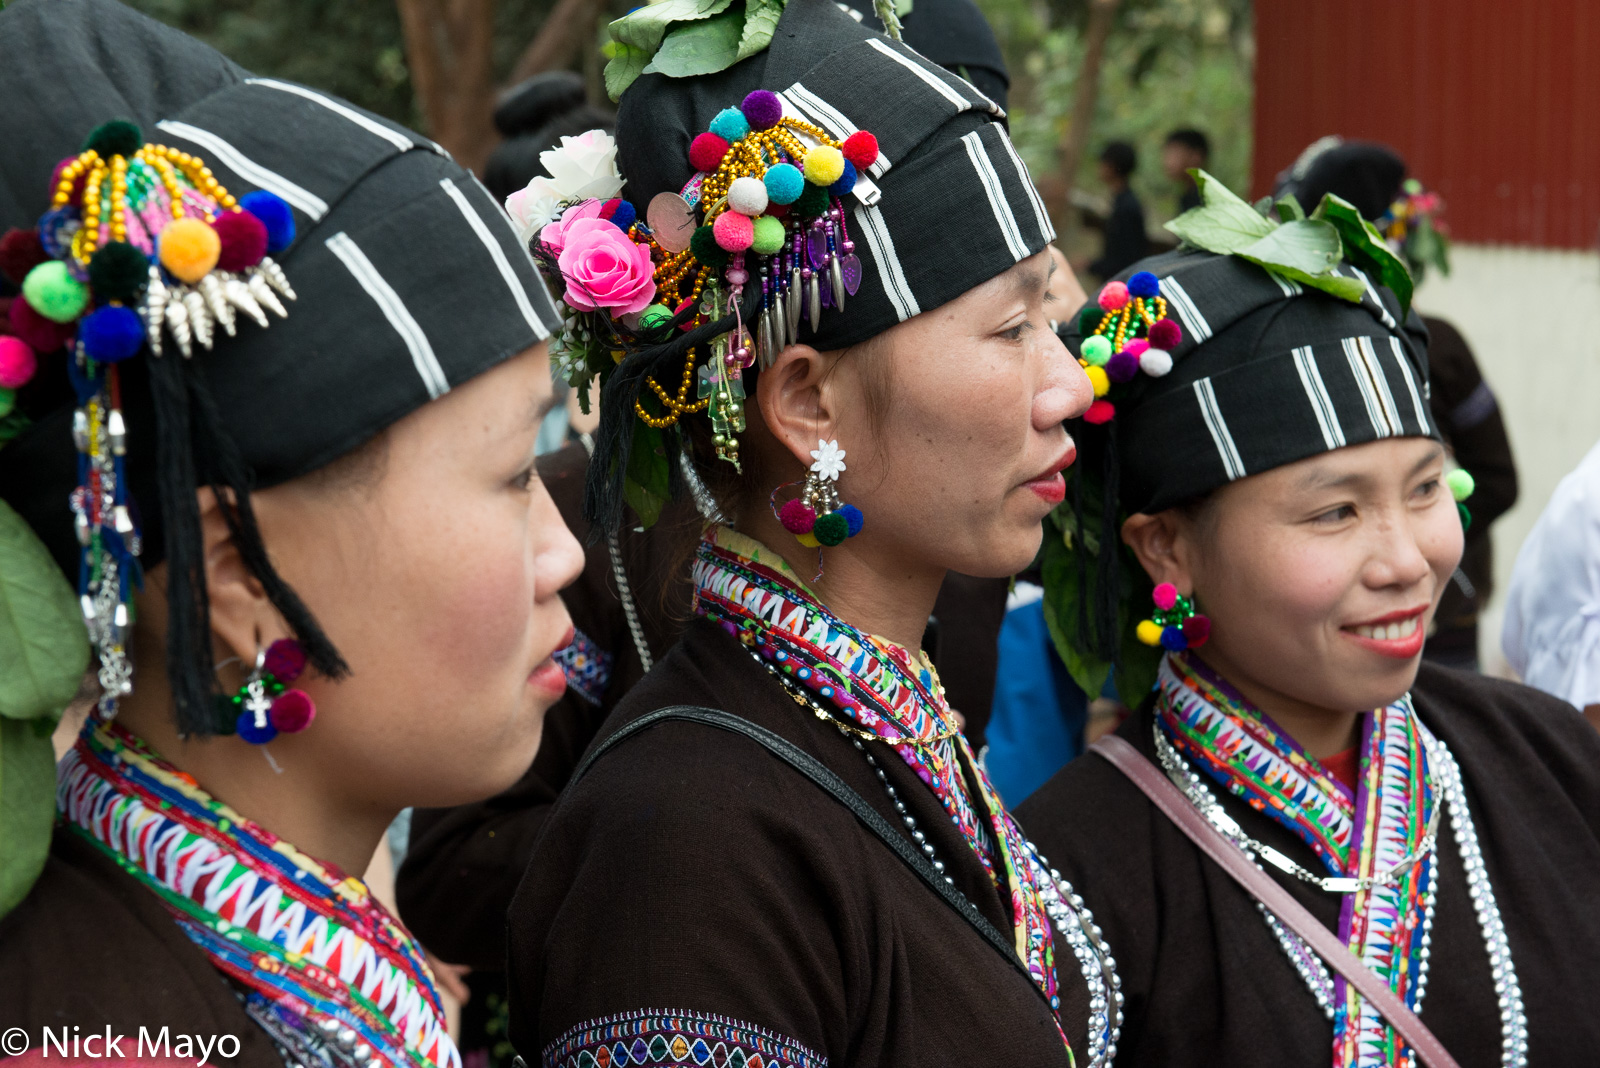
1196	629
734	232
17	362
285	660
1136	347
706	152
797	517
1099	412
1164	334
1165	596
244	240
293	711
1114	296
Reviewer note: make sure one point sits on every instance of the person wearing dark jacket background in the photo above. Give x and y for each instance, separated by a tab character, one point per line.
1125	237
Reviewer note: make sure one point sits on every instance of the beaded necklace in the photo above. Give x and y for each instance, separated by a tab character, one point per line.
1377	842
325	970
885	694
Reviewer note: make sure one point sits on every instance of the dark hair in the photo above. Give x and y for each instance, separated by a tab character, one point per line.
1189	137
1120	157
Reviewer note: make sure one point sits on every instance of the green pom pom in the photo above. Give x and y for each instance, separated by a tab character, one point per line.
655	317
770	235
831	529
119	272
119	137
1460	483
1089	319
812	202
1097	349
705	249
51	291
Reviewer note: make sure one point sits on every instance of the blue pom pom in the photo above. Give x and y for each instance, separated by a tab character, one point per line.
785	183
274	213
1172	639
846	182
624	215
853	517
1144	284
730	125
111	334
247	729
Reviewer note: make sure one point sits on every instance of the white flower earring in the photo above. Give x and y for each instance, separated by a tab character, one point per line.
817	517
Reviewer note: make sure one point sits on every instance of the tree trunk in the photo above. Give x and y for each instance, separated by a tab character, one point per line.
569	26
449	52
1058	193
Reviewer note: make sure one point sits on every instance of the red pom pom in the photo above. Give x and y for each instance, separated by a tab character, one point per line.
17	363
285	660
244	240
1165	595
20	252
706	152
1114	297
1099	412
860	148
292	711
1196	629
797	517
1164	334
43	335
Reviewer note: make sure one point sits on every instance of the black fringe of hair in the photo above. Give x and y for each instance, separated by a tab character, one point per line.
1100	582
603	500
190	425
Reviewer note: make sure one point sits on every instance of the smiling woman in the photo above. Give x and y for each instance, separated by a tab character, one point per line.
1282	496
320	577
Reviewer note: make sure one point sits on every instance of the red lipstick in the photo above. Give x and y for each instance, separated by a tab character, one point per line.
1399	634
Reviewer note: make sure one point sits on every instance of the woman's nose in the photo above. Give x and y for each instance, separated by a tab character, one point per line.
1065	391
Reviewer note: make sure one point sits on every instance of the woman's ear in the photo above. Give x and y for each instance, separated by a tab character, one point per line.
1162	545
794	401
242	618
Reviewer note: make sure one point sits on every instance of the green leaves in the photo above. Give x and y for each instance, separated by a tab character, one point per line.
1291	245
760	23
626	64
701	47
647	487
644	27
27	806
44	648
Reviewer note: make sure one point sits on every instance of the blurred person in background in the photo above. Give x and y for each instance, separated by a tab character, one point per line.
1552	628
1372	178
1185	149
1125	239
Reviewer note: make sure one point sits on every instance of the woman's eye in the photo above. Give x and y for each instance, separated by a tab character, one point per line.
1427	489
525	478
1015	333
1335	515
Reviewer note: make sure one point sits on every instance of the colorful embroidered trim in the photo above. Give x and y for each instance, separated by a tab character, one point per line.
298	935
588	667
676	1039
1386	927
876	684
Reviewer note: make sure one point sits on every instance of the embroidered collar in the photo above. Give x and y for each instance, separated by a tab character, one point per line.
1386	926
326	970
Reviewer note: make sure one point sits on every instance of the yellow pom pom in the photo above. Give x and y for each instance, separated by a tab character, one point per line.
1098	379
1148	631
189	249
824	165
807	539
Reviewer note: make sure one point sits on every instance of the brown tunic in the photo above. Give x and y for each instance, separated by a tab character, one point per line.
691	871
1206	982
91	947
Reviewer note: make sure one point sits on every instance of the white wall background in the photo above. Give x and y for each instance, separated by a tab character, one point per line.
1532	317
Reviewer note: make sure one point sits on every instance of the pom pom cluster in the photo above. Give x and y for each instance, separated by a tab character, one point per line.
828	529
1174	625
1125	331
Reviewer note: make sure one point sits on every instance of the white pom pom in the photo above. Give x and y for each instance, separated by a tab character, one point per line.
1155	362
748	196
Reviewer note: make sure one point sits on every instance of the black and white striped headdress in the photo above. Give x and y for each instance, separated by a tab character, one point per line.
410	282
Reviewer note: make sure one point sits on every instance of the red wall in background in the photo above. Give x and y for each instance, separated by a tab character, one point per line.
1494	104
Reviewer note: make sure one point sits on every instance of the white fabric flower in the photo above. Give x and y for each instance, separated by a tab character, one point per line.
582	168
829	460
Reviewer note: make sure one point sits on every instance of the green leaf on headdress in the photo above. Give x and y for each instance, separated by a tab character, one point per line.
760	23
641	32
647	487
1365	247
625	64
1305	251
1426	246
1223	223
702	47
44	647
1289	209
27	806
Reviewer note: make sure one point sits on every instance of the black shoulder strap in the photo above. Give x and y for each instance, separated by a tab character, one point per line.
817	772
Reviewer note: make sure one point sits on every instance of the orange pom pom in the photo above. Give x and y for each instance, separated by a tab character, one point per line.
189	249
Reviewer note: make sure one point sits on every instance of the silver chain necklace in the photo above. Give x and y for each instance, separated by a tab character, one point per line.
1508	992
1066	909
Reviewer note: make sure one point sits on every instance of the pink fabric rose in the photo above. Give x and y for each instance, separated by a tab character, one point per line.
604	269
554	234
